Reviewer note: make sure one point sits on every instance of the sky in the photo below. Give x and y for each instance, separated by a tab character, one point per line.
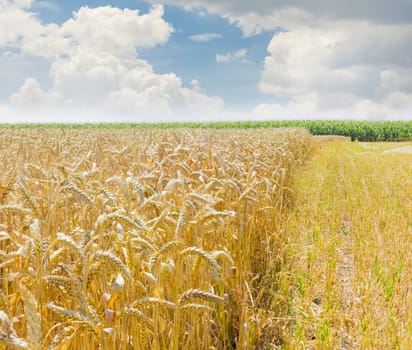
205	60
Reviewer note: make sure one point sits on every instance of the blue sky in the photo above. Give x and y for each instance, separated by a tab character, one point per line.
204	60
237	83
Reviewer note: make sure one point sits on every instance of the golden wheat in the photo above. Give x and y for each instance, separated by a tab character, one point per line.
142	238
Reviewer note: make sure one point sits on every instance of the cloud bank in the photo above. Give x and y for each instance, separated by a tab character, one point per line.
94	71
327	59
347	69
254	16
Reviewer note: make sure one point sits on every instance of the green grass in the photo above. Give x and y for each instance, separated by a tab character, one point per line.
357	130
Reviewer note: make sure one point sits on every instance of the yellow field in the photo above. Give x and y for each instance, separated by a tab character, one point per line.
203	239
142	239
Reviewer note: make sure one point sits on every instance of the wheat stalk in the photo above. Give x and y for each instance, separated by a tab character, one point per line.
33	317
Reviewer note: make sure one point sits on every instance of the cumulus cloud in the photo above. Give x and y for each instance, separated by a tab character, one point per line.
327	58
103	86
31	95
205	37
232	56
104	29
13	15
255	16
195	85
344	65
118	31
95	74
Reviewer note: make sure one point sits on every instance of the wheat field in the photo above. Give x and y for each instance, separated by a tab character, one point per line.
145	239
203	239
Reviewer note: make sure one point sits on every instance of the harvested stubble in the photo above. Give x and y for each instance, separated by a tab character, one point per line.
350	245
143	239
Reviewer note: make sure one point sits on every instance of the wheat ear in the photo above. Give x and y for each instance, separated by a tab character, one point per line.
194	293
33	316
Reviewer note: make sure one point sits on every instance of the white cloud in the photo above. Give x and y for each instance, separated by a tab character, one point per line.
205	37
105	29
7	5
251	16
395	106
255	16
15	22
232	56
117	31
195	84
94	72
31	95
331	59
341	65
105	87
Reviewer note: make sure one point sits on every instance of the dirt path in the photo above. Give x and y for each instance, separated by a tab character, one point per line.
345	273
350	242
